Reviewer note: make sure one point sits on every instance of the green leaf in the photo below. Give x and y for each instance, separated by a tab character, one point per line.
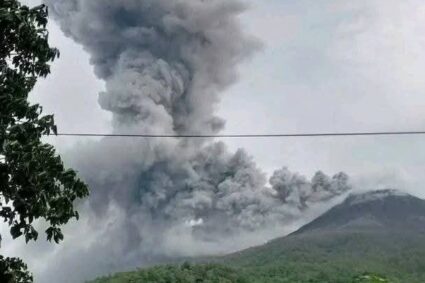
33	180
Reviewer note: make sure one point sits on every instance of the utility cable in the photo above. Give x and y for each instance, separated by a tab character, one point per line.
239	136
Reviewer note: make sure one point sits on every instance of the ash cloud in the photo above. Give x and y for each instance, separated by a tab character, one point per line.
165	64
294	189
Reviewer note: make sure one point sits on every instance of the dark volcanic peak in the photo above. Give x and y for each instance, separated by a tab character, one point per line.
380	195
384	210
381	232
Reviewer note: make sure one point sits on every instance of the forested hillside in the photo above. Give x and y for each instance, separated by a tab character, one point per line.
375	233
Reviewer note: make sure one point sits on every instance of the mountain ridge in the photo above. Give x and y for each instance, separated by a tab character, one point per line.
380	232
389	209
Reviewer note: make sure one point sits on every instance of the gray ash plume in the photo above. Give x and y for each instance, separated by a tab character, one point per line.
165	64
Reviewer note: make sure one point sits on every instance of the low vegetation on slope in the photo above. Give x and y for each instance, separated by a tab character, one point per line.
380	232
186	273
209	273
336	258
309	258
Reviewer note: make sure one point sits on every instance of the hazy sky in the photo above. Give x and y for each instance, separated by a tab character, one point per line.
325	66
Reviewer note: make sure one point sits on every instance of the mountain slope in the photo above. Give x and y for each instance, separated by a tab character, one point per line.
381	232
387	210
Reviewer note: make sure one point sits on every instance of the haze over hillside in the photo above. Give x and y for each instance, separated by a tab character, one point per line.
380	232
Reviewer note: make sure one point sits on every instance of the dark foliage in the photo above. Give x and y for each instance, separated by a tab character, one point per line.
13	270
33	180
210	273
186	273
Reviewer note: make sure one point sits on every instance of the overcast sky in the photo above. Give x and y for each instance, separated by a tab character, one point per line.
325	66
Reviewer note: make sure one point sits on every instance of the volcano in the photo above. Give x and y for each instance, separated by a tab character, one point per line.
379	232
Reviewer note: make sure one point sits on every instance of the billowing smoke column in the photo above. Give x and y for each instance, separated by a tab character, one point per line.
165	62
296	190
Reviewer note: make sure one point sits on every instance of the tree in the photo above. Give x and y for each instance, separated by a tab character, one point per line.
34	184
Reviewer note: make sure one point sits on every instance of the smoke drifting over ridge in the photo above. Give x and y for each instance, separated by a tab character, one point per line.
165	64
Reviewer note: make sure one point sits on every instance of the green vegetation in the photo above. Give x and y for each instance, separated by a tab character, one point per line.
210	273
34	183
186	273
336	257
313	258
370	278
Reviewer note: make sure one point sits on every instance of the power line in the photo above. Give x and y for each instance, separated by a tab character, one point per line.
346	134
